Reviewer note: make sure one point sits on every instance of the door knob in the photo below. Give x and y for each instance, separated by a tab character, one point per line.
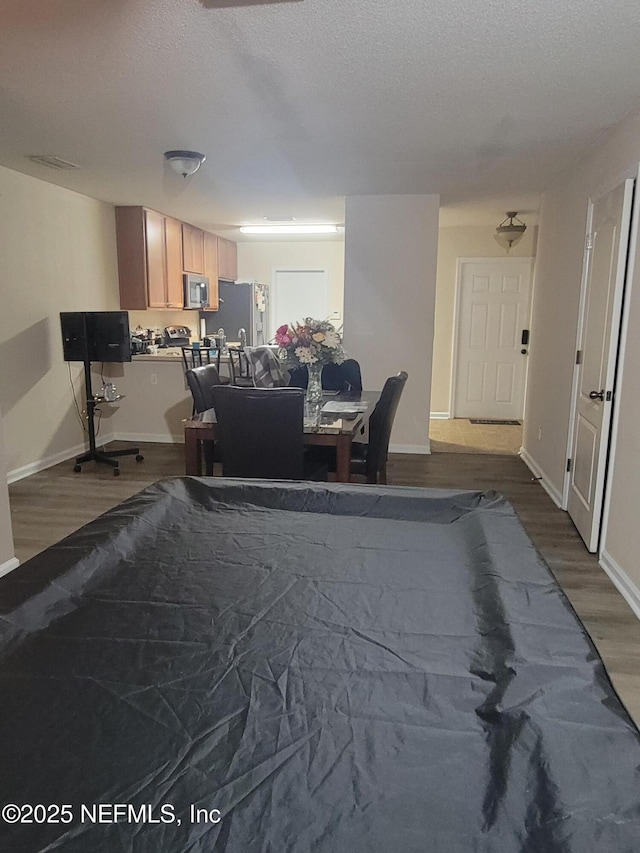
596	395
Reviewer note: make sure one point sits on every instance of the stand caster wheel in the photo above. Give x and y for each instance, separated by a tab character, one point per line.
77	469
139	457
116	472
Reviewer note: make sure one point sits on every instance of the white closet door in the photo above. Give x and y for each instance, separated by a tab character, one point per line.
598	344
298	294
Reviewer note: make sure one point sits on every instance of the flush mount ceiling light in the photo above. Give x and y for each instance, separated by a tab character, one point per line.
185	163
510	230
289	229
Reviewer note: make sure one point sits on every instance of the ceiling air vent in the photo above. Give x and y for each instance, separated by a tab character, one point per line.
232	4
52	162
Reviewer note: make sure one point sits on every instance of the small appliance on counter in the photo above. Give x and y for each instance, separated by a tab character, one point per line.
138	345
177	336
142	339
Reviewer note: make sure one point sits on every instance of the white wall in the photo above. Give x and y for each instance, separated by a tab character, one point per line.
454	243
58	253
390	282
553	341
156	400
621	541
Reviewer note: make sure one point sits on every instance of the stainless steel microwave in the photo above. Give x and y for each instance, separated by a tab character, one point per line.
196	291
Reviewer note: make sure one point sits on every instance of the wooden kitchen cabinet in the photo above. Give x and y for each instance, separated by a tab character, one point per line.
173	254
156	266
227	259
192	249
149	259
211	268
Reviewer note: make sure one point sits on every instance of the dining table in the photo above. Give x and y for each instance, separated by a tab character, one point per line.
335	421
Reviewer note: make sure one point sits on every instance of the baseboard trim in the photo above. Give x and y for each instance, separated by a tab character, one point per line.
72	452
9	566
46	462
540	475
621	580
157	438
440	416
422	449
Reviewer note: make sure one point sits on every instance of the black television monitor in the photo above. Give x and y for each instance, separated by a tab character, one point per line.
109	336
96	336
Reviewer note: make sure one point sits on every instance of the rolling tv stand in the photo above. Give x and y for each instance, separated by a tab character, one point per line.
106	457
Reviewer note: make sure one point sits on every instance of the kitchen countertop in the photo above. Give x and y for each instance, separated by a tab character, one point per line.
168	354
162	355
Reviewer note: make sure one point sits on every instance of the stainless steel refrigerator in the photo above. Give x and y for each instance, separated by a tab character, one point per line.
243	305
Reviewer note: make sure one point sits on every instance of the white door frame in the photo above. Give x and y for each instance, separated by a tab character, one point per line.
456	318
618	321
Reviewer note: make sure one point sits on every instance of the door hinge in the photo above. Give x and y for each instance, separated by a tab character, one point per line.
579	356
568	464
589	242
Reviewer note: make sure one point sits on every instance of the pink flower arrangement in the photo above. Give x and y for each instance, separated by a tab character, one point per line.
309	342
283	339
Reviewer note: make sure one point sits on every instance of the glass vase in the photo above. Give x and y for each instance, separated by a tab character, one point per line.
314	384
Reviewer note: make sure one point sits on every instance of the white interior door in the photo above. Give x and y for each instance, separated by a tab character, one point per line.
490	359
298	294
597	350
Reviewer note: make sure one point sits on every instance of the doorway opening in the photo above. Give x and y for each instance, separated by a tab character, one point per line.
490	344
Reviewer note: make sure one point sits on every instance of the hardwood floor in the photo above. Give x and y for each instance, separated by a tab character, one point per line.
50	505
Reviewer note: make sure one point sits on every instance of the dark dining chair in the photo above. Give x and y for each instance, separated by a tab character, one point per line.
345	377
342	377
370	459
201	381
240	368
261	433
193	357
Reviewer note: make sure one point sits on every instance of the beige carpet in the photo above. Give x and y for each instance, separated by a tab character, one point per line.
459	435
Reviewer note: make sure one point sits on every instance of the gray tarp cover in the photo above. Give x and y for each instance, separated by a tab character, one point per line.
335	669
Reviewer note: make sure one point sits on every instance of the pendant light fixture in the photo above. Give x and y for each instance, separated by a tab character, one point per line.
185	163
510	230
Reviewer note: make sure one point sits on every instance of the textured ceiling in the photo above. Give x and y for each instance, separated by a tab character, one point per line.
297	104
